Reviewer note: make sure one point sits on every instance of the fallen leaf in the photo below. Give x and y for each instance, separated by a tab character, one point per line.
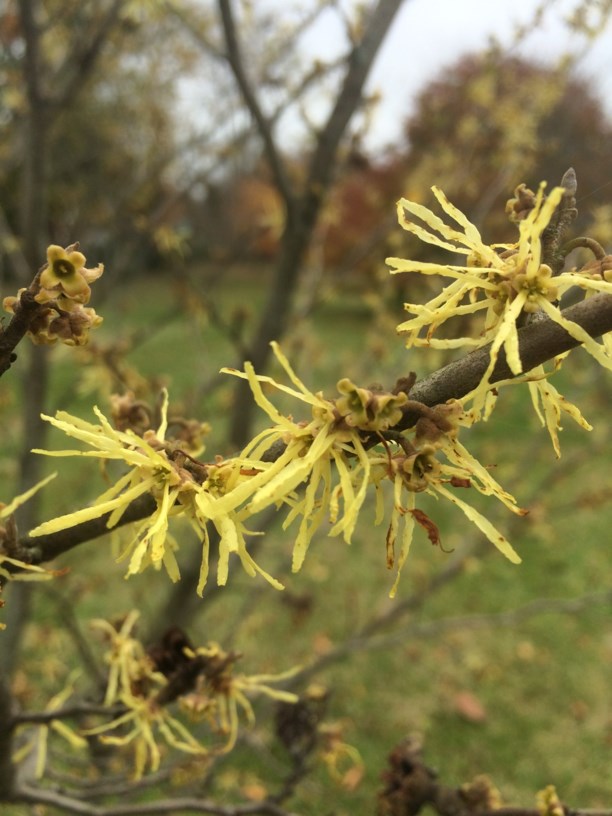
468	706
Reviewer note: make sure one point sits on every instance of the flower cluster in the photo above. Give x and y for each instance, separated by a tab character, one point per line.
143	684
415	467
501	283
62	290
321	470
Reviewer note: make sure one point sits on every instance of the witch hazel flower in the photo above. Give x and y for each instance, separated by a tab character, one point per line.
65	275
436	463
61	289
501	281
326	452
151	471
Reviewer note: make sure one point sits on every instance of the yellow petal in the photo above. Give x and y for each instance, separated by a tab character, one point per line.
10	508
483	524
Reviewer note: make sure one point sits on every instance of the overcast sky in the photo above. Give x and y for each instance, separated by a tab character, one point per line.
431	34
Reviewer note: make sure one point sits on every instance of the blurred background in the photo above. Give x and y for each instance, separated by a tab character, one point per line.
235	166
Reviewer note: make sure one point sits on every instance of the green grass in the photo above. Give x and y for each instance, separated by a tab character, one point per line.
541	681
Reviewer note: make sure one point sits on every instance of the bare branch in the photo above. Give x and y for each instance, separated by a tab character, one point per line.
540	341
301	222
16	330
359	64
82	61
43	796
69	712
7	770
234	58
45	548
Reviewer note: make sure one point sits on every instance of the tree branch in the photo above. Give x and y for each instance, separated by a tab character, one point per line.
300	223
45	548
540	341
83	59
234	58
43	796
410	785
69	712
7	769
16	330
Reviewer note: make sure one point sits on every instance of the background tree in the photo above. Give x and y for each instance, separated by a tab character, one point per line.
146	171
507	117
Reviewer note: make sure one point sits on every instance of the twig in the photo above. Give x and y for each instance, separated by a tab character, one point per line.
89	789
81	62
234	57
410	785
42	796
539	606
68	712
540	341
7	770
16	330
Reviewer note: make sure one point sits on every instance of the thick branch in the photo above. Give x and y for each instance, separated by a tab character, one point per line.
359	64
83	60
7	770
45	548
542	340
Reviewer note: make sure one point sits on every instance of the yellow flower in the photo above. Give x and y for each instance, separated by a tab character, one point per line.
65	274
134	685
548	403
417	469
152	471
221	694
63	288
500	280
10	303
343	761
213	692
163	471
319	451
8	541
30	572
367	408
548	802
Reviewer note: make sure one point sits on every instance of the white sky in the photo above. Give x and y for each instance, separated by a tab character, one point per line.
427	35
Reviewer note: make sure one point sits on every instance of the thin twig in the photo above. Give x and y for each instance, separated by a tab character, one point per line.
42	796
69	712
234	57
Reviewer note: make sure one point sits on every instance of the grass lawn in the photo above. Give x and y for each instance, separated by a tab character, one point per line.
494	670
